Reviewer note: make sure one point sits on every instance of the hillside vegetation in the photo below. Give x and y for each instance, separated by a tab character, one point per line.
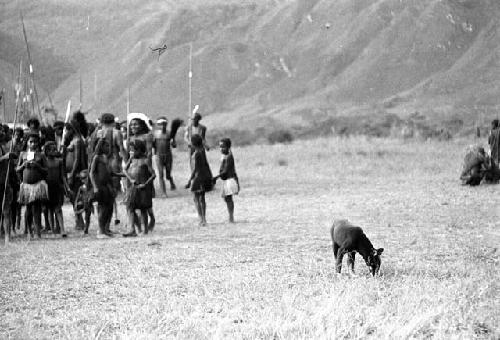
271	63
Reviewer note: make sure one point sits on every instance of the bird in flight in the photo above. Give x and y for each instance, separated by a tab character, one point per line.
160	50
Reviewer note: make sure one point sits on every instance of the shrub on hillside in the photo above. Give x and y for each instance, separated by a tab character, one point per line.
280	137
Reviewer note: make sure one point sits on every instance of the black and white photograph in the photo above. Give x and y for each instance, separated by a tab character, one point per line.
249	169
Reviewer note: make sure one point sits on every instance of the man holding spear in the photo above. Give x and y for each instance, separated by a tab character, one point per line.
9	177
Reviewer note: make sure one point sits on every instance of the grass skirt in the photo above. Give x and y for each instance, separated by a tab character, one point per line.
230	187
29	193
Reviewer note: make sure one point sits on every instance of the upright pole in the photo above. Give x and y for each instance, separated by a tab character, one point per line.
32	72
95	91
30	92
190	87
26	104
81	91
50	100
128	113
3	103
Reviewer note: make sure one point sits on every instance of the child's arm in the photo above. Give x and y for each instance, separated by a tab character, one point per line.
195	171
21	163
153	176
77	151
63	179
149	148
42	165
125	171
121	148
93	167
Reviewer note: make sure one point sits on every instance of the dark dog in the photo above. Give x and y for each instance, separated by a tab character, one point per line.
350	239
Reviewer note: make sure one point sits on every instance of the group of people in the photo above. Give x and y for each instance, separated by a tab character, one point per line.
93	164
480	166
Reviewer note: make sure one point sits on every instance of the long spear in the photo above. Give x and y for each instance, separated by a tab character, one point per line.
81	91
18	92
66	120
32	72
2	98
190	80
128	112
95	91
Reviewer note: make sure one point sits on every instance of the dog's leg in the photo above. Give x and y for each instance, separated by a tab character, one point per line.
338	263
335	249
351	257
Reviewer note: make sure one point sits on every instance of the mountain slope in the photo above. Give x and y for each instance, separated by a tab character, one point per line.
273	63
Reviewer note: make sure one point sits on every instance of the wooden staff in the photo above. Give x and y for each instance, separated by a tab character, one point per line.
32	72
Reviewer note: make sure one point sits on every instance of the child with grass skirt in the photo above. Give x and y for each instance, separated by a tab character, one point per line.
201	180
227	173
33	191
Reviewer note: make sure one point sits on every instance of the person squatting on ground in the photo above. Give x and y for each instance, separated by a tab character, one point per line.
102	185
57	186
33	191
201	180
163	141
227	173
478	166
140	191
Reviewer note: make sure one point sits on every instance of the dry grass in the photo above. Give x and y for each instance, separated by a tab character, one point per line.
271	274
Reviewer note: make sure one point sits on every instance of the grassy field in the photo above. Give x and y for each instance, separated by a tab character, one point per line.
271	275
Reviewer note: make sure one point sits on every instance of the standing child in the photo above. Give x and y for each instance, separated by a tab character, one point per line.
227	172
201	177
140	190
83	200
57	185
104	193
163	141
17	148
33	191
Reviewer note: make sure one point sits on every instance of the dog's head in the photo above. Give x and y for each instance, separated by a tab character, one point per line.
373	260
